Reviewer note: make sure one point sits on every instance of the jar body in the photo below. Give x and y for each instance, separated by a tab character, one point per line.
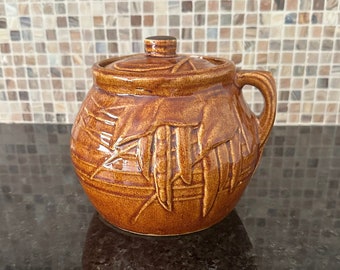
165	165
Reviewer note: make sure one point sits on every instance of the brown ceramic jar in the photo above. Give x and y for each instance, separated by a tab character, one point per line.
164	144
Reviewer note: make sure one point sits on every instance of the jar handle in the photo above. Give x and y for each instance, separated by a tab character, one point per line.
263	81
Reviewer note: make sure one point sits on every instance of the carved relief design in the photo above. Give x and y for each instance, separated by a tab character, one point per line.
178	64
173	143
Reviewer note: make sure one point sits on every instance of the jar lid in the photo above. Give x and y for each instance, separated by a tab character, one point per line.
160	71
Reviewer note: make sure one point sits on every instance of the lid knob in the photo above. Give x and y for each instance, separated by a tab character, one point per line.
160	46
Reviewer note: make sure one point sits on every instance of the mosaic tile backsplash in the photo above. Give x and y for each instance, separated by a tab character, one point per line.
48	47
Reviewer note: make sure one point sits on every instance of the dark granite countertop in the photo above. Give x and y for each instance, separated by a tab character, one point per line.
288	218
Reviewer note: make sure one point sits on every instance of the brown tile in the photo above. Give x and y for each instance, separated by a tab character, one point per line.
27	117
5	48
11	85
12	95
251	32
291	5
3	23
261	58
61	22
304	18
285	84
302	31
265	5
237	33
332	108
237	58
57	84
282	107
225	32
136	20
329	31
294	107
262	45
98	21
213	6
111	34
67	72
317	118
48	107
212	46
213	20
70	96
148	6
300	57
318	5
226	5
251	19
186	6
148	20
199	33
64	47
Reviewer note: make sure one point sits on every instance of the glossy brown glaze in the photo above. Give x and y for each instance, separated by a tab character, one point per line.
167	145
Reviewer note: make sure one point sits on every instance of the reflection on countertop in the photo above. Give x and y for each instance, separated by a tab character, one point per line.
288	218
223	246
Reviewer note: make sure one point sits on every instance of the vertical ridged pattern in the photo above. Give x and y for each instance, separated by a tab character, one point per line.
236	160
144	155
162	166
183	152
224	166
211	181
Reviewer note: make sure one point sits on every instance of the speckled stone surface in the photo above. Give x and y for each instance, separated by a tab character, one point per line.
288	218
